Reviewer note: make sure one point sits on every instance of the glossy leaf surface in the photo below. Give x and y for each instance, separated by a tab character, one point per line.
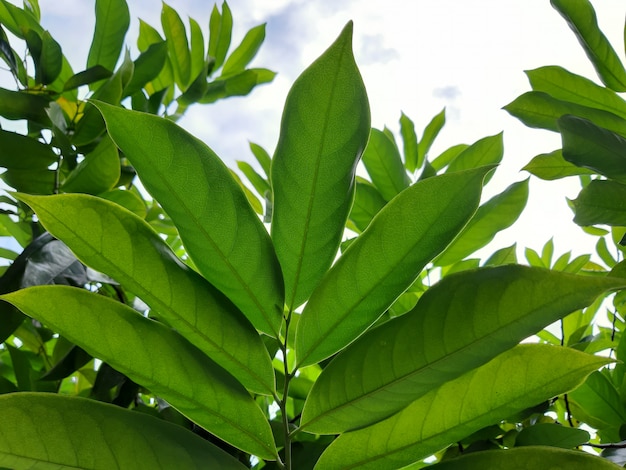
221	232
112	21
52	431
324	130
385	260
517	379
458	324
120	244
119	335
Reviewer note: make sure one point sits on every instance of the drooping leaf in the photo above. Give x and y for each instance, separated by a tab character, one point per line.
409	141
564	85
324	130
601	202
112	21
385	260
120	244
49	430
431	131
589	146
495	215
581	18
517	379
177	45
527	458
221	232
384	165
117	334
244	52
552	166
459	324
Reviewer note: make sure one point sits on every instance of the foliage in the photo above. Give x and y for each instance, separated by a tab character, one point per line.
358	332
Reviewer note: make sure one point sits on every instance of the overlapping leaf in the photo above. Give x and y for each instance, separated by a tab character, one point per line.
154	356
324	130
460	323
385	260
384	165
517	379
112	21
221	232
120	244
51	430
601	202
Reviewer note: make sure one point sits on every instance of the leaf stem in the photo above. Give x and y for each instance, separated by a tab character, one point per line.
283	402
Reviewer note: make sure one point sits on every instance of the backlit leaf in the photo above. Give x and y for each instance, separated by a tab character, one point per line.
177	44
430	134
245	52
112	21
384	165
601	202
409	140
220	28
98	172
552	166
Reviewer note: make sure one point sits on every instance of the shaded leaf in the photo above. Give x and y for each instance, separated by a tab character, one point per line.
239	84
601	202
148	66
87	77
23	105
21	152
98	172
409	141
553	435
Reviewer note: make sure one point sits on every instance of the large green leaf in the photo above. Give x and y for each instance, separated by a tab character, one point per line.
460	323
601	202
600	400
517	379
567	86
540	110
52	431
581	18
590	146
177	44
244	52
112	21
384	165
49	63
324	130
495	215
528	458
221	232
154	356
120	244
385	260
552	166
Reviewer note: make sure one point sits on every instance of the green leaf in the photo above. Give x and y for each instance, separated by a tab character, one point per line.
245	52
112	21
50	61
196	190
503	256
17	20
148	66
196	48
540	110
448	156
52	431
117	334
87	77
497	214
367	203
20	152
601	202
457	325
409	140
486	151
385	260
589	146
98	172
324	130
599	399
384	165
551	434
123	246
430	134
17	105
564	85
262	157
220	30
127	199
148	36
463	406
527	458
552	166
261	185
177	45
30	181
239	84
581	18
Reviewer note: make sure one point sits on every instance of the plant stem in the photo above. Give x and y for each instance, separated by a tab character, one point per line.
283	402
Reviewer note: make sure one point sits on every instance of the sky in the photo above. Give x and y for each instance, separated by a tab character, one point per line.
416	56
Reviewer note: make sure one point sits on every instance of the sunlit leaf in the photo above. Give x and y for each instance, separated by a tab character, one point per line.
384	165
431	131
177	45
409	140
148	66
244	52
486	151
552	166
220	27
112	21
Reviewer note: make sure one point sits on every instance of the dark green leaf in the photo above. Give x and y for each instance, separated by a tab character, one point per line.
553	435
581	17
148	36
20	152
409	140
462	322
196	48
31	181
112	21
236	85
87	77
324	130
236	254
220	28
147	67
385	260
601	202
50	61
245	52
367	203
552	166
471	402
23	105
117	334
68	364
177	45
46	430
384	165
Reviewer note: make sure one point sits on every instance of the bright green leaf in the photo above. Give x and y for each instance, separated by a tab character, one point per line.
431	131
384	165
457	325
385	260
409	140
261	185
262	157
117	334
552	166
599	398
47	430
324	130
220	28
198	59
507	255
486	151
463	406
221	232
239	84
177	45
448	156
112	21
245	52
98	172
367	203
148	66
601	202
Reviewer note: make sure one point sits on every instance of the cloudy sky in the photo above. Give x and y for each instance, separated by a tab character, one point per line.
415	56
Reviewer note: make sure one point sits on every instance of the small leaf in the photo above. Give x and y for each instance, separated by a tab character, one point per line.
98	172
552	166
385	260
601	202
448	156
262	157
148	66
471	402
112	21
245	52
220	28
197	191
21	152
117	334
87	77
177	45
196	47
553	435
384	165
430	134
239	84
503	256
261	185
17	105
324	130
486	151
409	140
45	429
599	399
